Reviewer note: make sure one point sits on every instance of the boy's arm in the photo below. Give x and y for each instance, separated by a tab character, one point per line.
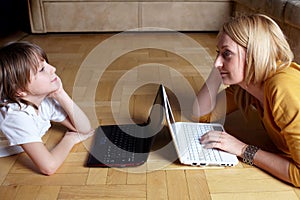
49	161
78	119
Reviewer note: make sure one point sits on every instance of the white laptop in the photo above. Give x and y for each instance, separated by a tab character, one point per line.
186	137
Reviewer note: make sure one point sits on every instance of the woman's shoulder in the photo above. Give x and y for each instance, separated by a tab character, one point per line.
293	69
284	85
288	77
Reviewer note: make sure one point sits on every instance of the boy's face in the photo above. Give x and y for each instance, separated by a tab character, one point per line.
44	82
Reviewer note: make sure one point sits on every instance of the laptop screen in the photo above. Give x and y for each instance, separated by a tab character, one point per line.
155	121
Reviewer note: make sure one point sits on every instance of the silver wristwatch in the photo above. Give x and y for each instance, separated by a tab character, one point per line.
249	154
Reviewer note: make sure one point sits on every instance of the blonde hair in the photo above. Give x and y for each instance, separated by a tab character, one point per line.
267	50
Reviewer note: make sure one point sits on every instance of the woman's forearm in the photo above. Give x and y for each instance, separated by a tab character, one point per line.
274	164
206	99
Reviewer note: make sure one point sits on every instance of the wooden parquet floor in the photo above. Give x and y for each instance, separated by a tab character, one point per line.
114	77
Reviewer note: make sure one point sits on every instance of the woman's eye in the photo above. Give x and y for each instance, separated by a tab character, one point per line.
226	53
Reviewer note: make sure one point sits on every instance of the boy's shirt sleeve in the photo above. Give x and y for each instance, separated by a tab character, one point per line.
52	110
26	126
20	129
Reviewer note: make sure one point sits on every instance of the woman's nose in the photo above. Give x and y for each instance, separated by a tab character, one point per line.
218	62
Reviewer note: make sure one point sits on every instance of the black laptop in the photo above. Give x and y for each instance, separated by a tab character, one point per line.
127	145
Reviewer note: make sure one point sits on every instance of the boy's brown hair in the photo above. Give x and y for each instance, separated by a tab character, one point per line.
17	61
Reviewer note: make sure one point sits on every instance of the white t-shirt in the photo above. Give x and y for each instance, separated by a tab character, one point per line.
21	126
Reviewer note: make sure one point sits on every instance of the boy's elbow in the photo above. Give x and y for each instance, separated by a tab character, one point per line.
48	170
83	130
87	130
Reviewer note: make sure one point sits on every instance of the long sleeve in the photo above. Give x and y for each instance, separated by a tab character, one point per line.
282	116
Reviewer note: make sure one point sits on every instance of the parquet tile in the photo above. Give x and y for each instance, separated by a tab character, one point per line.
177	184
157	185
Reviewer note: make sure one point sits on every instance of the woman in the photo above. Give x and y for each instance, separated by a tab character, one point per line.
255	60
32	95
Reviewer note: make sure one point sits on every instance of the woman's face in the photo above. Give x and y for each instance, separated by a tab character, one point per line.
230	60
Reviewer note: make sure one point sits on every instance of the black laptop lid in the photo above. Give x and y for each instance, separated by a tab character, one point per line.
118	136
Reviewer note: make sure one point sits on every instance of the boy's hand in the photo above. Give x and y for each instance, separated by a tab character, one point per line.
79	137
59	91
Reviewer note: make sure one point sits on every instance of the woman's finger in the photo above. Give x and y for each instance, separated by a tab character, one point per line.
211	136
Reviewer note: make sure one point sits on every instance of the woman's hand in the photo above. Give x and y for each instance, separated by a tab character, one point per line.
270	162
223	141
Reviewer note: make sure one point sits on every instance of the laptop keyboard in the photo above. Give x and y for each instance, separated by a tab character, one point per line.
195	149
122	145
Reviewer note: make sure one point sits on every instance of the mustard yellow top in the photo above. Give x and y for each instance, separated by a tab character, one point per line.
280	114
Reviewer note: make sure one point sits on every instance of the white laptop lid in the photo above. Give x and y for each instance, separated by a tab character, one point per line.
181	143
179	140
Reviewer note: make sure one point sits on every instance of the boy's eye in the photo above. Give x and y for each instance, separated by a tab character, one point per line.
42	69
